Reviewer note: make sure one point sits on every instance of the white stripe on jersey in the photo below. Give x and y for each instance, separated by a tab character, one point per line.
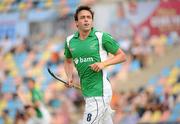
107	91
68	39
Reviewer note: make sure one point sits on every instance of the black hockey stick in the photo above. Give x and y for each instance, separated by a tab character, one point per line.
61	80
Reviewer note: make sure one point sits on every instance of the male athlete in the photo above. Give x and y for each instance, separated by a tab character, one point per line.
88	50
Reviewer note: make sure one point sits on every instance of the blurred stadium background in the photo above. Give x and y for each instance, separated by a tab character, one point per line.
146	87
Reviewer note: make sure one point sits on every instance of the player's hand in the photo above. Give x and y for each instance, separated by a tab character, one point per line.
98	66
69	83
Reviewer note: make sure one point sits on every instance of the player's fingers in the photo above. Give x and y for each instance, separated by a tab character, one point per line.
69	84
92	66
95	67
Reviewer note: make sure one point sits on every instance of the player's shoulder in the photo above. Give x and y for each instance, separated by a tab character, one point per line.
103	34
106	35
68	38
99	32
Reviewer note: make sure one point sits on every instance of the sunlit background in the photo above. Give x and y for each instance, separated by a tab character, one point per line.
146	87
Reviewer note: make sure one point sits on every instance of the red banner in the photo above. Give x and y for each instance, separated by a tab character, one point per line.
165	18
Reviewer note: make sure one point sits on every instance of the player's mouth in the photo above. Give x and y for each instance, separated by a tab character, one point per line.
86	24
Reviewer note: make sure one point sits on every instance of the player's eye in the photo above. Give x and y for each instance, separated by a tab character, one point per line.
82	17
89	17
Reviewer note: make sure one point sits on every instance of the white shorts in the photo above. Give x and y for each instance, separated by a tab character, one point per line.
97	110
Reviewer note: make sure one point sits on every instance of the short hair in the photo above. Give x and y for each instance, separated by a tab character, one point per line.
80	8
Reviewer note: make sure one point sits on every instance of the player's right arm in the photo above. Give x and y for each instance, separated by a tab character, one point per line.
68	66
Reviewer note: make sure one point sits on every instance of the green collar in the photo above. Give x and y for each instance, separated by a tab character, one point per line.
76	35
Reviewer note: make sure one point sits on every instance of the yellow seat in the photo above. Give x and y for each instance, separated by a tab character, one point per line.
8	59
174	72
176	88
49	3
171	80
23	6
3	105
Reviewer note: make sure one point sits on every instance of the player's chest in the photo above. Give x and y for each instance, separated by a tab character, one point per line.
84	48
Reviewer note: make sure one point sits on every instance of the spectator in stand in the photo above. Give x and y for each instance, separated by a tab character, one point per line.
5	45
141	50
42	114
137	50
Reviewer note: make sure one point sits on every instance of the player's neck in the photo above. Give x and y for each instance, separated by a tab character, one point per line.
84	34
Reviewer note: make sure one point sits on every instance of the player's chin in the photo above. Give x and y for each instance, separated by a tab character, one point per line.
87	28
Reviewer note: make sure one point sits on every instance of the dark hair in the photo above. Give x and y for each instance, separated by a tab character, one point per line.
80	8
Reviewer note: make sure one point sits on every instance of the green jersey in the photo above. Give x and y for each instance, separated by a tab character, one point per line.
37	96
86	52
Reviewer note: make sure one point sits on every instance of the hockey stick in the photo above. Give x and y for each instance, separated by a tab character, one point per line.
61	80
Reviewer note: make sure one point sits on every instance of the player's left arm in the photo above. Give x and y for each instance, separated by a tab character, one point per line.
111	46
118	57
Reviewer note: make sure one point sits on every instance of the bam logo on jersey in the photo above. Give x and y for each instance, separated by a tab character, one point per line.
82	60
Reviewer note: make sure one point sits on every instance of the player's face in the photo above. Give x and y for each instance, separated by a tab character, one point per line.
85	21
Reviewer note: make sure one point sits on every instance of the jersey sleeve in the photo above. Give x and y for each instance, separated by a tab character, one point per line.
67	52
109	44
